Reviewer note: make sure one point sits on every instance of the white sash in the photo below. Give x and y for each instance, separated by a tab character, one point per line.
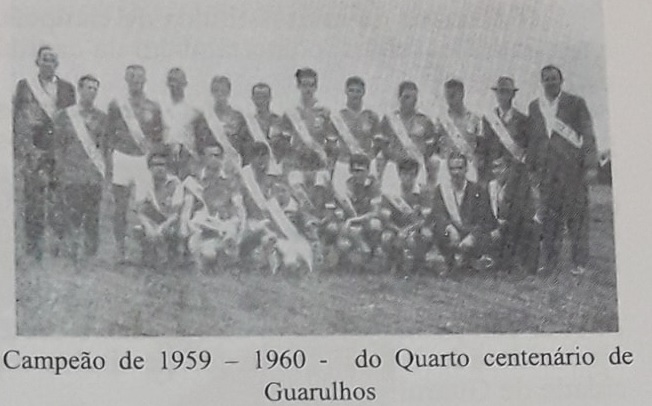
220	136
503	135
42	97
456	136
345	133
558	126
271	206
275	167
567	133
133	125
401	132
493	196
90	147
300	126
448	196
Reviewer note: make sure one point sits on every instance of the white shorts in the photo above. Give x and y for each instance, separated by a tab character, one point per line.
131	170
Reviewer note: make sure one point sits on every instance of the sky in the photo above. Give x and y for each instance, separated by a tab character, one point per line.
385	42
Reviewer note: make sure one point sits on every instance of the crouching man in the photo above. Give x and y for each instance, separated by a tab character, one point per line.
462	217
159	211
214	215
515	240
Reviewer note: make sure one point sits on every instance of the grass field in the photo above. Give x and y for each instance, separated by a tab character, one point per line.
98	299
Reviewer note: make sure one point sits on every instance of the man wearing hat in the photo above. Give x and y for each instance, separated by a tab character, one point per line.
505	126
562	154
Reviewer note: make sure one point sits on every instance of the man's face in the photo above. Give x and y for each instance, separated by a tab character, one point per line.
261	162
47	62
408	99
408	178
307	86
499	169
457	169
454	96
88	91
136	79
359	173
551	81
177	83
261	96
221	91
504	96
355	92
213	158
158	168
281	142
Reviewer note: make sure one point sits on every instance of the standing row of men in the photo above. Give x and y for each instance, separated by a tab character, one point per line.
347	187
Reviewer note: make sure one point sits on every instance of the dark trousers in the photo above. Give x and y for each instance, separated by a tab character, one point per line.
518	245
121	197
565	199
39	202
81	212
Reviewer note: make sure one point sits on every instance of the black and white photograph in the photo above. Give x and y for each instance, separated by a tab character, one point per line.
311	168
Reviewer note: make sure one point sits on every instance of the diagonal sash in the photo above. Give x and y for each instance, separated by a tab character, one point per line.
567	133
90	147
558	126
300	126
460	143
275	167
136	132
401	132
493	196
42	97
503	135
448	196
217	128
271	206
345	133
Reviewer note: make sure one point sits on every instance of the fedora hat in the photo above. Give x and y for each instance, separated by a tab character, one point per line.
505	83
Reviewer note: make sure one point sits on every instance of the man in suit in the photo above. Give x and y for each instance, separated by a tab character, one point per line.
36	101
81	155
505	127
462	215
136	129
515	240
562	154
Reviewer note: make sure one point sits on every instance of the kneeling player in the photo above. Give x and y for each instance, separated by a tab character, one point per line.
407	212
159	213
463	217
217	215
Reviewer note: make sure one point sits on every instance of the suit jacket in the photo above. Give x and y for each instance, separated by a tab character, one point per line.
32	126
544	151
72	163
517	205
475	211
517	127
